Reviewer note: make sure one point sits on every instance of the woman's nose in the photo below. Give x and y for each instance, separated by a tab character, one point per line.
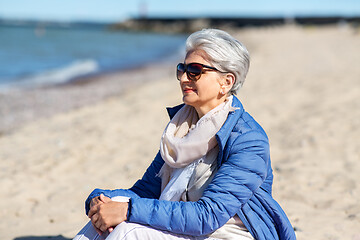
184	78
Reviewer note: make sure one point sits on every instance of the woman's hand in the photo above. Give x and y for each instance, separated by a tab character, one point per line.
97	200
106	214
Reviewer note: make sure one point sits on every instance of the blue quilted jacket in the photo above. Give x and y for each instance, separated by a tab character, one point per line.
242	185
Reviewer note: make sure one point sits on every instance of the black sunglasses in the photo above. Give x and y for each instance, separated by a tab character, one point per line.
193	70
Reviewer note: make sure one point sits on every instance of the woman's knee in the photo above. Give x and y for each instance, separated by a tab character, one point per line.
127	231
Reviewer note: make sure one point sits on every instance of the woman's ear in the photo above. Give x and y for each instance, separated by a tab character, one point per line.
227	83
230	79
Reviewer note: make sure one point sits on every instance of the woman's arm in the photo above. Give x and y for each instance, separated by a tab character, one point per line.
147	187
237	179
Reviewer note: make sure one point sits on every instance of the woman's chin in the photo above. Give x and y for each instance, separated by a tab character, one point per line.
189	100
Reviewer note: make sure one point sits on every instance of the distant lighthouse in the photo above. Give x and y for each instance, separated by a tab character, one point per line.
143	9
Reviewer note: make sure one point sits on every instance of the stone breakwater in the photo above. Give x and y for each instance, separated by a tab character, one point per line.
188	25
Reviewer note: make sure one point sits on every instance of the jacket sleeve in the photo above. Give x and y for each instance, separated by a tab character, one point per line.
241	174
147	187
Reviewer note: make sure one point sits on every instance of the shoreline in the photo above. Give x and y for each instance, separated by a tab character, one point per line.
19	106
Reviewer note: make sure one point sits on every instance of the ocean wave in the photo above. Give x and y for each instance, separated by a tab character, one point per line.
59	75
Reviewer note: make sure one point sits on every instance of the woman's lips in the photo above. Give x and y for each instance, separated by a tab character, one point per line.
188	90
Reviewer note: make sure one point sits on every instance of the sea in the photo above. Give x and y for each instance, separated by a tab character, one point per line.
38	56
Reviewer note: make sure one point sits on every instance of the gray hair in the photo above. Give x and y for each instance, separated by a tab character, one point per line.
223	51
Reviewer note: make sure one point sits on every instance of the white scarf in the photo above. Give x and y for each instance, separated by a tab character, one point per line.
185	142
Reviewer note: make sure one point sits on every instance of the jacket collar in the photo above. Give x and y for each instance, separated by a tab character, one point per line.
230	122
223	134
173	110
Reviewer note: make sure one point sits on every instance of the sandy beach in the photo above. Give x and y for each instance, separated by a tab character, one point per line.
59	143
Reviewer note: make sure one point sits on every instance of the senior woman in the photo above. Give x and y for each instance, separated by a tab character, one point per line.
212	177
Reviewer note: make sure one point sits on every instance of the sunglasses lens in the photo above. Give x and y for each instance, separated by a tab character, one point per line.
194	71
180	69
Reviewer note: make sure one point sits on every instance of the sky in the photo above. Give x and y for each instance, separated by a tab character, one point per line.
119	10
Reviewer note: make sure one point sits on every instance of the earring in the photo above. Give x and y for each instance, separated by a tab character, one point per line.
222	91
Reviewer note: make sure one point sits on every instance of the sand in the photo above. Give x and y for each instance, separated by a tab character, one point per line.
303	88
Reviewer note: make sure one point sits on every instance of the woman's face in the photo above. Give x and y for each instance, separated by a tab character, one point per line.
203	94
